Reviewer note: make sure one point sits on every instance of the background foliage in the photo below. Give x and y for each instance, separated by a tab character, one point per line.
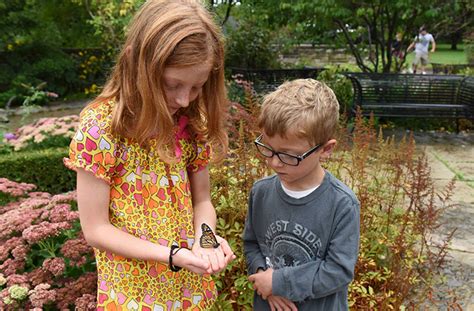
71	45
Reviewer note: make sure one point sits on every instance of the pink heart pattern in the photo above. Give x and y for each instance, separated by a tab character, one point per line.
143	204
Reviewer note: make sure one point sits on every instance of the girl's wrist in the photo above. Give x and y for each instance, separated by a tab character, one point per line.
174	249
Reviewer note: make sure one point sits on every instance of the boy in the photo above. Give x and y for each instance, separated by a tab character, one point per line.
301	234
421	44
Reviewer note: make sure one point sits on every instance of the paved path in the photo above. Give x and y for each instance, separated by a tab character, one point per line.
452	156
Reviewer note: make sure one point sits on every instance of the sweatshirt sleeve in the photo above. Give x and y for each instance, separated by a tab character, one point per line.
253	254
325	276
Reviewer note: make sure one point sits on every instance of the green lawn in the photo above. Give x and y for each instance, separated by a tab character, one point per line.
443	55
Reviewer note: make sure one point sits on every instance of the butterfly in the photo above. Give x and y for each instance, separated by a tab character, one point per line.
208	239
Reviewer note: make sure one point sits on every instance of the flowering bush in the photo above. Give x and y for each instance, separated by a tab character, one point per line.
45	262
46	132
400	209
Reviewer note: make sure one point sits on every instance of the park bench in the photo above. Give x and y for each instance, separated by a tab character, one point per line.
267	80
409	95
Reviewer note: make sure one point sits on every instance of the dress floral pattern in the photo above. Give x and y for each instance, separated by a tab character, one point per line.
152	201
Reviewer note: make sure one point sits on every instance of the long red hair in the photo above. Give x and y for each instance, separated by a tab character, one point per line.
164	33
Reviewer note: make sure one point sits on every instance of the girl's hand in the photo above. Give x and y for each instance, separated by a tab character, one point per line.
218	258
186	259
278	303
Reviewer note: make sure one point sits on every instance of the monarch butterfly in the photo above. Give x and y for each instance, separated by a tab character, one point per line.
208	239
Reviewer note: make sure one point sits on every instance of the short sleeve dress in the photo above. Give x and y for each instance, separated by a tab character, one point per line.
150	200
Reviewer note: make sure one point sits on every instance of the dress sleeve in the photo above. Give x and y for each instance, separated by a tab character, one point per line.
200	157
93	148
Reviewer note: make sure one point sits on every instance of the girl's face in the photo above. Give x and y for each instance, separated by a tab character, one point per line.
182	85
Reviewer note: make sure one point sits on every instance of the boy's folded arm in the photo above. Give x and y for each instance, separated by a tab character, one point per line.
326	276
254	257
253	254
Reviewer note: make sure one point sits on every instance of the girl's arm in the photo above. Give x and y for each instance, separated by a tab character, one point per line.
93	200
204	212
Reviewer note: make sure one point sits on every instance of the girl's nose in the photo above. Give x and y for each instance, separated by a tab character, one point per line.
182	99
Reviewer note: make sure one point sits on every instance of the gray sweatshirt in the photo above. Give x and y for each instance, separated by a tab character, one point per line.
311	243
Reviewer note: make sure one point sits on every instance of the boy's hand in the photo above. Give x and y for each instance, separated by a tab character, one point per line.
262	282
278	303
218	258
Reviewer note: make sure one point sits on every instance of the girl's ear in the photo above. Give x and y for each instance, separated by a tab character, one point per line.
128	51
328	148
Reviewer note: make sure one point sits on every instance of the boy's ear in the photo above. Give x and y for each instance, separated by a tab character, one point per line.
328	148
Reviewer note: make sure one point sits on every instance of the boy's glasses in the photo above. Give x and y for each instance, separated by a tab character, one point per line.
286	158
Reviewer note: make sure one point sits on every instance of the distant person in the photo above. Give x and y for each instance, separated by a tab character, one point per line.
301	234
397	47
421	44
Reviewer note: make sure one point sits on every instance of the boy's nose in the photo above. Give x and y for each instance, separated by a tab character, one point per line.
275	161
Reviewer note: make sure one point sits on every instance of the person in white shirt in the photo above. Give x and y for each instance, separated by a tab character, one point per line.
421	44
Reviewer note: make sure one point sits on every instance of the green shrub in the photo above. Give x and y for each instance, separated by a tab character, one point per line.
470	53
342	86
56	141
43	168
251	47
397	264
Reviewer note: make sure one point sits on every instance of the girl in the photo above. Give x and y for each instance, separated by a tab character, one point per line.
140	155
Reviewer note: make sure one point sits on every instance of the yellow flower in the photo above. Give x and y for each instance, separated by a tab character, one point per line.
18	292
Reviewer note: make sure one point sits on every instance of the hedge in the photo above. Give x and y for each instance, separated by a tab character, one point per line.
44	168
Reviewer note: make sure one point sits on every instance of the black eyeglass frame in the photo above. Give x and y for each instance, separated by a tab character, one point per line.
299	158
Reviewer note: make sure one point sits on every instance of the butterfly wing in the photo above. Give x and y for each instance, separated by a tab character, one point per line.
208	239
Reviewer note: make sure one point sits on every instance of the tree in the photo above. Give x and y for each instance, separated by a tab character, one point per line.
453	20
110	19
222	5
367	27
34	35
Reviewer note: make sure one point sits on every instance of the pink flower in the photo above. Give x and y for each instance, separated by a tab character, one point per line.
12	266
44	127
85	284
14	188
41	295
64	197
39	195
86	302
20	251
75	250
54	265
18	279
62	212
17	220
44	230
9	245
39	275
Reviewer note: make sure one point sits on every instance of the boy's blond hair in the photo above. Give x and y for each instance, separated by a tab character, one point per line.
305	107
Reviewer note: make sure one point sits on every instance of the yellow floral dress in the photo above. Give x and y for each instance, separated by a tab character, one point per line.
149	200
